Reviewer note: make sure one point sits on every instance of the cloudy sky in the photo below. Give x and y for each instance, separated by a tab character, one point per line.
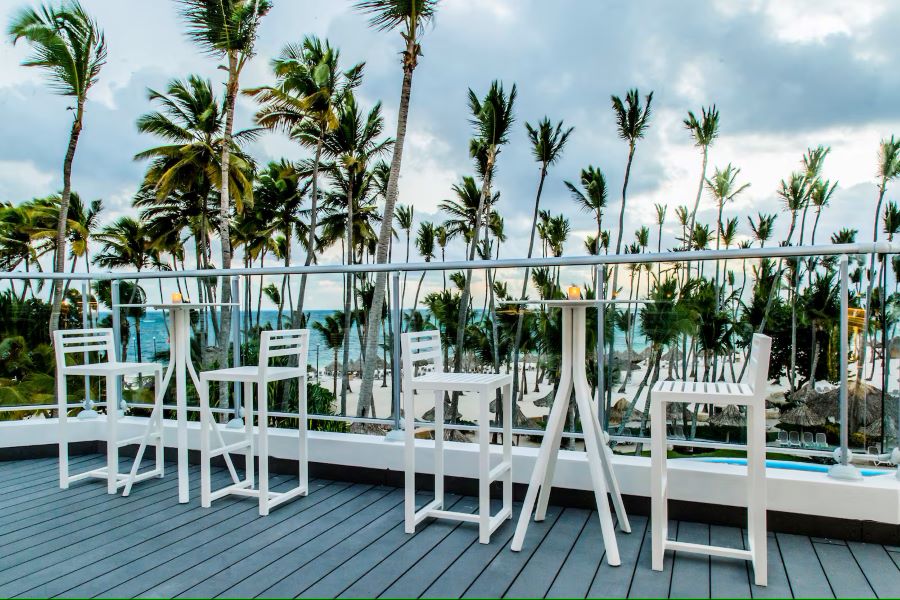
784	77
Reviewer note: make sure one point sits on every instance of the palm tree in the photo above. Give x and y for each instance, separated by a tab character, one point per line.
443	238
126	243
278	187
704	131
404	216
820	196
226	29
183	171
723	188
632	121
410	18
547	144
888	170
425	245
660	221
763	227
85	217
69	45
332	330
353	144
304	104
492	119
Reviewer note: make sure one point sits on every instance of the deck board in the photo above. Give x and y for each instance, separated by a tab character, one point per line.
348	540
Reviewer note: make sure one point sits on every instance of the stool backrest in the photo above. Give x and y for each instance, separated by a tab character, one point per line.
70	341
758	367
284	342
419	347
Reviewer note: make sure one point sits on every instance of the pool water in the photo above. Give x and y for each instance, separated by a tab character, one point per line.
787	464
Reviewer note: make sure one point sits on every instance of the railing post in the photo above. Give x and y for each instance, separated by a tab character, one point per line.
844	469
396	434
115	299
237	421
87	411
601	342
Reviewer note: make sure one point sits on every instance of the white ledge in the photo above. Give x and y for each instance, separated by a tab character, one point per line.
803	492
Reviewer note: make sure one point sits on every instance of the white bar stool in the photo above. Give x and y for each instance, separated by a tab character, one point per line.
425	346
73	341
273	344
751	395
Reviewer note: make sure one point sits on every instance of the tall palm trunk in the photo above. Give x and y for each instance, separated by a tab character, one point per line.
615	281
225	216
313	211
59	263
521	316
348	295
365	401
865	330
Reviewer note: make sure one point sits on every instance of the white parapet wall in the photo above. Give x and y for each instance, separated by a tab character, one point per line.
803	492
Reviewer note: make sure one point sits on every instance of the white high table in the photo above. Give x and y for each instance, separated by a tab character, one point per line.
180	364
573	375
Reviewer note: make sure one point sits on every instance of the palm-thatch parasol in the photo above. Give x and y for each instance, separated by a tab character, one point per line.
803	415
730	416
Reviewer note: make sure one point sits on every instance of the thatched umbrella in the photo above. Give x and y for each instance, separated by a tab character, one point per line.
803	416
730	416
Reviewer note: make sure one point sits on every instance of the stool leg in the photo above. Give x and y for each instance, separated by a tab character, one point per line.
112	446
263	410
304	449
205	485
409	460
160	445
507	448
756	492
658	483
249	459
484	469
439	448
62	410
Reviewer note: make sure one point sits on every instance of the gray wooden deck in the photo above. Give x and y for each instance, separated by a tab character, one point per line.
347	540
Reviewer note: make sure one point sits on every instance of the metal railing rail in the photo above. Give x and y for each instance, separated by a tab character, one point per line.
780	252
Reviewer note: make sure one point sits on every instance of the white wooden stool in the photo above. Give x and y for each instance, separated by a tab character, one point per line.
287	342
751	395
85	341
425	346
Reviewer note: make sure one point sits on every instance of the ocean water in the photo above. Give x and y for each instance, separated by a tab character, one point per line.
155	337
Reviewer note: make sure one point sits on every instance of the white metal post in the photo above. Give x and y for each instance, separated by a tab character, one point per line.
87	411
395	434
844	469
236	422
117	338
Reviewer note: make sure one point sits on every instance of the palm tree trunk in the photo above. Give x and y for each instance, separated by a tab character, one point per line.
348	296
59	265
521	316
384	237
313	212
416	301
865	330
467	288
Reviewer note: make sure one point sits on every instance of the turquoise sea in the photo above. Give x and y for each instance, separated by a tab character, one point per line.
155	337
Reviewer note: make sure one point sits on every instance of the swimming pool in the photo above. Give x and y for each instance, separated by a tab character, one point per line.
787	464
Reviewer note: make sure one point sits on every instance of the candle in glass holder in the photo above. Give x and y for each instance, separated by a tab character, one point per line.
176	297
574	292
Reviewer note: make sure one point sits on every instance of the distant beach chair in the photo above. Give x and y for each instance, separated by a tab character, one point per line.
783	438
821	440
873	451
679	432
807	439
794	439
